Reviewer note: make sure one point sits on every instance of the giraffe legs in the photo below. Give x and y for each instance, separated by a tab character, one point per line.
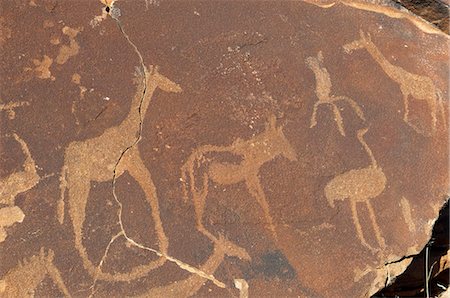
256	190
78	192
406	104
376	228
354	105
358	225
338	119
135	166
314	114
57	279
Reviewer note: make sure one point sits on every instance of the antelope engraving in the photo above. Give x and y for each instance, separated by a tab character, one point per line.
23	280
359	185
323	90
254	153
106	157
189	286
418	86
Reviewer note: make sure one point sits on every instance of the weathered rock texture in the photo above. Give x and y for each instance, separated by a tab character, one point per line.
216	148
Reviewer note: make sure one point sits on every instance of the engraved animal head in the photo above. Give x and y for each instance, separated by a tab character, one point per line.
279	140
315	62
231	249
364	41
162	82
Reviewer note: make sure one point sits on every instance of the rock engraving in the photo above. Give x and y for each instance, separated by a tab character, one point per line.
359	185
419	87
106	157
254	153
323	90
23	280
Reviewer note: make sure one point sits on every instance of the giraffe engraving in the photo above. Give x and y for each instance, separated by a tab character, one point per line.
23	280
254	153
323	90
189	286
359	186
413	85
107	157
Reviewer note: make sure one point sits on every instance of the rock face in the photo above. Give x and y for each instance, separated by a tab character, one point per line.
214	148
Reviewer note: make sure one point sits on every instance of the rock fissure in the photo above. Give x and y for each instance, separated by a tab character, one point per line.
115	13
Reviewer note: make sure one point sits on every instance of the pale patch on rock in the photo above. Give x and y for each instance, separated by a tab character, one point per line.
76	78
68	51
8	217
5	32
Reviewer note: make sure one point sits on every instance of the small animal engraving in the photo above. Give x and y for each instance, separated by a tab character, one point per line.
359	185
323	90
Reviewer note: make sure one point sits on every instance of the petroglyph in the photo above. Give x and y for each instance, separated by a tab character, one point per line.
68	51
323	90
42	68
406	211
242	286
19	182
359	185
106	158
418	86
23	280
8	217
10	106
254	153
190	285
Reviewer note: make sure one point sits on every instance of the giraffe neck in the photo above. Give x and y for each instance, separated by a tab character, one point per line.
132	121
391	70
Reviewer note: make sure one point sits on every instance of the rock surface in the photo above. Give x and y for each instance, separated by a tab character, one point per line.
212	148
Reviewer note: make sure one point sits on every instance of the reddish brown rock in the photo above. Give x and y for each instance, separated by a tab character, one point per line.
210	148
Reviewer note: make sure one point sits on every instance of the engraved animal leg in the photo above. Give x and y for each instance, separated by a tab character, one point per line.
376	228
338	119
314	114
433	107
256	190
354	105
406	105
141	174
358	225
56	277
79	187
199	198
441	107
137	169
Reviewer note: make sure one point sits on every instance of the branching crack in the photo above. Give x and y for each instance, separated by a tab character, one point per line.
115	13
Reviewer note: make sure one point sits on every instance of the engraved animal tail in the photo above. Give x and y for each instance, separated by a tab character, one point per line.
188	169
62	187
441	107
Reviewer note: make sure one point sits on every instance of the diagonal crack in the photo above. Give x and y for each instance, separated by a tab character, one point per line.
115	13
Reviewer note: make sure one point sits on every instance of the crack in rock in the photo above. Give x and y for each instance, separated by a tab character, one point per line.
115	13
